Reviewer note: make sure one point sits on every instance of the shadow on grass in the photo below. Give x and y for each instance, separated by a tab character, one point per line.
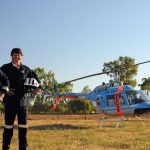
57	127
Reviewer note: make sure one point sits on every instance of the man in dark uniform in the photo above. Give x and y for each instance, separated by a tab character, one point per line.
16	99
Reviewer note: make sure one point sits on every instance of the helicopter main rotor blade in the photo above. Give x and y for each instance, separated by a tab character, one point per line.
138	64
96	74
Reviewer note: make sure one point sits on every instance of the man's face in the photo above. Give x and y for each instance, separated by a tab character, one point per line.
16	58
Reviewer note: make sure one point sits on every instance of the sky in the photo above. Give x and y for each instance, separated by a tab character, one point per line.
74	38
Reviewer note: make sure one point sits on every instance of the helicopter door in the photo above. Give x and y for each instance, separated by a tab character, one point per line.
111	104
98	104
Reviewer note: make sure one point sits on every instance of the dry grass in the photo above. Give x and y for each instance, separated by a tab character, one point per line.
67	134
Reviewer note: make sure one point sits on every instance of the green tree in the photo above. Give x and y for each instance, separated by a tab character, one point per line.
46	80
123	70
63	107
51	88
86	89
64	87
50	85
81	106
146	85
40	106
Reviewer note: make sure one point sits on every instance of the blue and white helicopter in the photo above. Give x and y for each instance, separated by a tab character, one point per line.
113	98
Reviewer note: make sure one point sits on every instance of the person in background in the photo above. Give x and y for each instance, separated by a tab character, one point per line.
15	101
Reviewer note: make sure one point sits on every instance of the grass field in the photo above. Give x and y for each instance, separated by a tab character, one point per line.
75	133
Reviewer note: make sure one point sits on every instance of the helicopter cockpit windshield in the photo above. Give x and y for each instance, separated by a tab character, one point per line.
135	97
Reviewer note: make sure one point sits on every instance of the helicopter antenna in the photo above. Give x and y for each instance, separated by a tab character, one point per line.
114	72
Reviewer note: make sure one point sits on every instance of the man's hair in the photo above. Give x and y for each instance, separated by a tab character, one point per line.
16	50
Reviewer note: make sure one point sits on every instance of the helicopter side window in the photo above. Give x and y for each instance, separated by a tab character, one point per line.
121	99
111	100
135	97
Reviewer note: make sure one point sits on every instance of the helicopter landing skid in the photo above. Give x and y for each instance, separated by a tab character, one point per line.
122	118
140	119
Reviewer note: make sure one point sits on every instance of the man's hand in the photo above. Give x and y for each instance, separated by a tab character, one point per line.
37	91
11	92
2	96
